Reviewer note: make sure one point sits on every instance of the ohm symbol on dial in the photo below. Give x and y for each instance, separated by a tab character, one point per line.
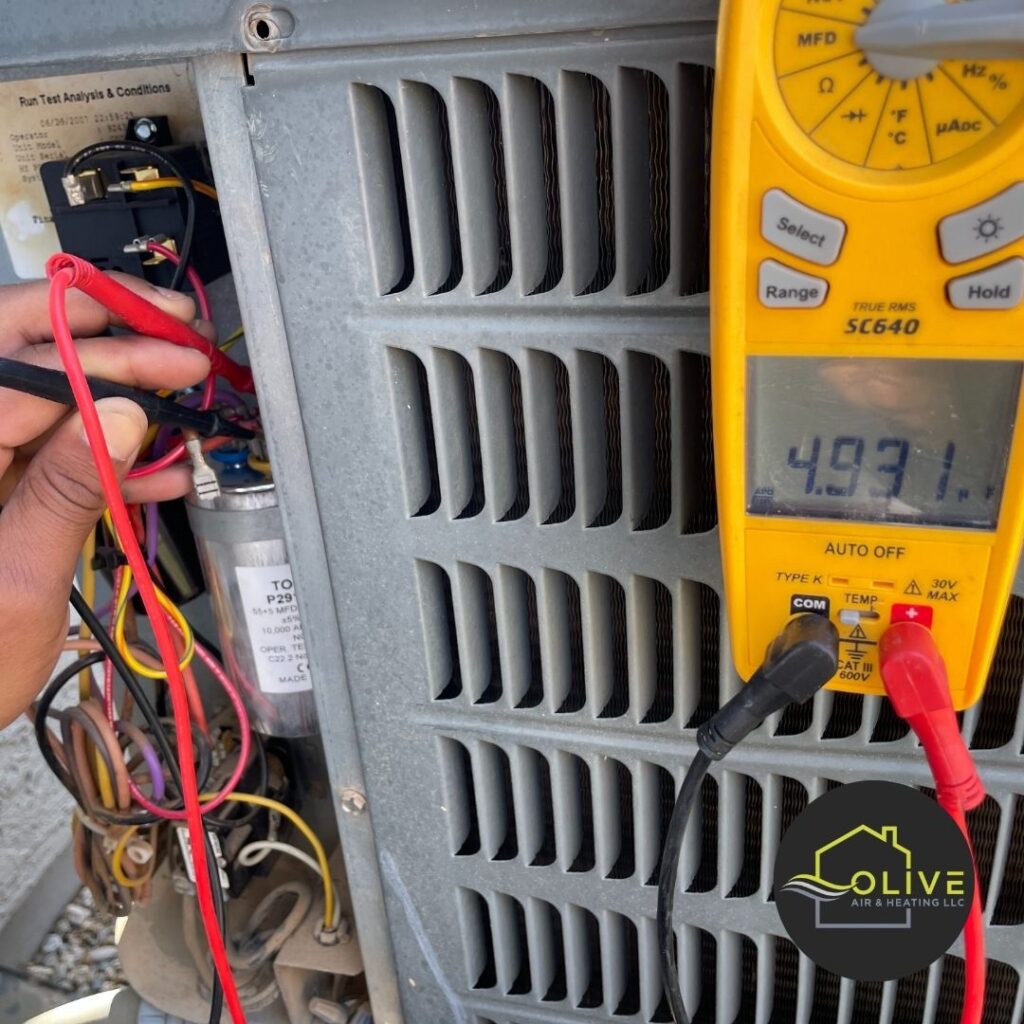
826	85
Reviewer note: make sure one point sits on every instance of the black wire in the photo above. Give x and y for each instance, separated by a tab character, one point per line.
145	706
177	171
668	879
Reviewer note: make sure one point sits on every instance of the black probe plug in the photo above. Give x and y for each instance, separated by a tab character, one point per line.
798	663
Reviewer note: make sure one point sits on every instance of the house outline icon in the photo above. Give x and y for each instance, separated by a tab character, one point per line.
887	835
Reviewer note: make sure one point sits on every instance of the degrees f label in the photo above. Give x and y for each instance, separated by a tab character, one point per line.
275	630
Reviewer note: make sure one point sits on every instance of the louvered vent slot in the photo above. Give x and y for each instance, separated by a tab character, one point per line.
791	798
503	436
520	637
583	959
547	945
477	940
748	881
1002	983
642	137
459	797
383	186
656	669
1009	908
825	997
430	186
607	645
845	717
410	392
613	820
511	952
587	180
649	446
692	178
983	822
562	640
495	804
531	783
655	800
574	812
550	438
621	966
795	719
867	1001
705	852
708	612
999	705
694	442
478	634
600	420
440	632
458	435
534	196
889	727
786	970
478	150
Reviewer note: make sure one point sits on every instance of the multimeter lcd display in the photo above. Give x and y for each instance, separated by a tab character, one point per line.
922	441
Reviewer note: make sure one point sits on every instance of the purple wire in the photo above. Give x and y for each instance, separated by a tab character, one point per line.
162	441
156	772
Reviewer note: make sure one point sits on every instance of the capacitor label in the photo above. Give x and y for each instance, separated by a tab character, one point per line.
275	630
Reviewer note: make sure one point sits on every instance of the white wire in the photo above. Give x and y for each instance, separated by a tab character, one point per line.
258	850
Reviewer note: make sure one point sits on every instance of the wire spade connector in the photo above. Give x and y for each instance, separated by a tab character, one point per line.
799	661
204	479
915	679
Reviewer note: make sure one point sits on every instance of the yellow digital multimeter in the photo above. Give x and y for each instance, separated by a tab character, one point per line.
867	332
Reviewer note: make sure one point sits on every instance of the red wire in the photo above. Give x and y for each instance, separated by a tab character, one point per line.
194	279
974	939
178	451
64	272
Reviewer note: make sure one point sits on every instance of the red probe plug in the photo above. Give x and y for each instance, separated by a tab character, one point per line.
915	679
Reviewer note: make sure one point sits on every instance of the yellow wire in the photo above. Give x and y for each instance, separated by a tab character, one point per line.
311	836
118	868
260	465
122	643
230	340
154	183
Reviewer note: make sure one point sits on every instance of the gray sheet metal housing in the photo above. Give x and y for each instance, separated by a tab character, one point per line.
471	247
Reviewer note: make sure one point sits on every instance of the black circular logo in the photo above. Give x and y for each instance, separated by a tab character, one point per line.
874	881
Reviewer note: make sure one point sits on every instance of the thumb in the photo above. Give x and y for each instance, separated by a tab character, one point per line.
59	499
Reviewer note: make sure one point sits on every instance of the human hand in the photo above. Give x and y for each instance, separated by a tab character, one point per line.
49	490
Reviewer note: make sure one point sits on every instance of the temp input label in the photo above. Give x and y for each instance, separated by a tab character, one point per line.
275	630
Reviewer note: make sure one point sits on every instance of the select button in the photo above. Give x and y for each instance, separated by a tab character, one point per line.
800	230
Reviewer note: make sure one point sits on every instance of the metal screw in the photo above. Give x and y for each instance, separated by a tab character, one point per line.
145	129
352	801
264	26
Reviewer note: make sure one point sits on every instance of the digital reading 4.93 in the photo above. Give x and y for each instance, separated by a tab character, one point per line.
921	441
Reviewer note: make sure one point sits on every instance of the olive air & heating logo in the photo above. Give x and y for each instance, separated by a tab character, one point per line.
873	881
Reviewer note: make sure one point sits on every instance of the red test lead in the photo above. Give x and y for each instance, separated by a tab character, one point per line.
915	679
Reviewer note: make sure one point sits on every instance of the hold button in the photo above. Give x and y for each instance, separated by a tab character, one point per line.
998	287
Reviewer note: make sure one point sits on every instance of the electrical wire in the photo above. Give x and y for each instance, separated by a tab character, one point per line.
668	879
148	712
177	171
152	184
310	835
259	849
202	298
89	593
63	277
232	339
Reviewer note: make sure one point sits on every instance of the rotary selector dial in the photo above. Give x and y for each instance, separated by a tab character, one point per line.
879	111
